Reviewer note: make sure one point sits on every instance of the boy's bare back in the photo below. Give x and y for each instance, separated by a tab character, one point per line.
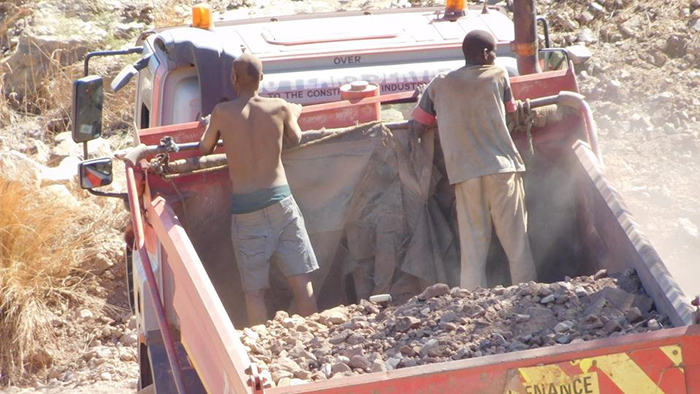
253	129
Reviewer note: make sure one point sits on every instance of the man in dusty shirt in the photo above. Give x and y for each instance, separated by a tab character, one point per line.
266	222
482	162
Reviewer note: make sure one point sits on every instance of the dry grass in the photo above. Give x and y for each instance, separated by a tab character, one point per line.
43	245
119	108
50	95
56	105
5	112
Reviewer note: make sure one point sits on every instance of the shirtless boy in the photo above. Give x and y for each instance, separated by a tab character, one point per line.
266	222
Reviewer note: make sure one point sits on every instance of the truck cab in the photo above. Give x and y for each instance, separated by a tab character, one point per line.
306	60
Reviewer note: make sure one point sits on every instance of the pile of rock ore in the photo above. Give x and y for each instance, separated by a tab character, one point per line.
443	324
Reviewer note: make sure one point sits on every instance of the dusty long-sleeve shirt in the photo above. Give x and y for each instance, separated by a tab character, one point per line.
470	104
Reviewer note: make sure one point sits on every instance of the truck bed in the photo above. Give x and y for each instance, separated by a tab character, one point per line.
578	224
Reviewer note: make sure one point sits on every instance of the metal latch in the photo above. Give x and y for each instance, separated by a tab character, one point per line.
258	381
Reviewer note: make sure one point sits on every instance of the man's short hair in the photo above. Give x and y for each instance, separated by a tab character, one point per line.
248	70
474	44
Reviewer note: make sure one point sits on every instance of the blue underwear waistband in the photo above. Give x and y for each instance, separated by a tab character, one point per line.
259	199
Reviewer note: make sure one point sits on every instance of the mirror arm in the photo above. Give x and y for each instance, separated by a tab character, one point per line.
128	51
122	196
545	27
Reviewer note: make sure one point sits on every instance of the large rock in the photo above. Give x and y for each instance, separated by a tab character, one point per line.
676	46
50	42
579	54
64	174
405	323
59	193
286	364
15	166
337	315
360	362
65	147
540	317
435	290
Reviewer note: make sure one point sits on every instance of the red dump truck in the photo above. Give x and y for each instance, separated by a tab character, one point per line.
373	195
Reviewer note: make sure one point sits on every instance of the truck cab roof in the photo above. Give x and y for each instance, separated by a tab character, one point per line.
307	58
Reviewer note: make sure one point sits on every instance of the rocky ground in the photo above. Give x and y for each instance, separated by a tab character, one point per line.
443	324
97	340
641	80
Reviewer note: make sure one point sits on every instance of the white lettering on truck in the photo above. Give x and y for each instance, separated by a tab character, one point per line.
326	87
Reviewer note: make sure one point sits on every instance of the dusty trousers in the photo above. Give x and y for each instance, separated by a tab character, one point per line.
498	200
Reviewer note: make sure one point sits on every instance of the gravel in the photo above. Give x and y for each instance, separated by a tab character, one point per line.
443	324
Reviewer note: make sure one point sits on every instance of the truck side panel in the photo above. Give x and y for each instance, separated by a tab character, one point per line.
619	365
206	332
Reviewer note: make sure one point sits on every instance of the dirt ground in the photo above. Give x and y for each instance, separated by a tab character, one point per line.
642	82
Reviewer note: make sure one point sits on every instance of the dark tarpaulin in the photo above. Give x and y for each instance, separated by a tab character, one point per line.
377	209
367	196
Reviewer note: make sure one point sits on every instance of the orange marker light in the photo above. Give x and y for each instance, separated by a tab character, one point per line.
201	16
454	5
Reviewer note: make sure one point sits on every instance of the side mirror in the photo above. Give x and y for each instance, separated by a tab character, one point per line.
87	108
95	173
553	59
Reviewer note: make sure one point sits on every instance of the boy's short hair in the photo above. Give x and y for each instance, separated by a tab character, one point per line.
474	44
248	70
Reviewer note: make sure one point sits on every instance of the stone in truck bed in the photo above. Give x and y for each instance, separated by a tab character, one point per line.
443	324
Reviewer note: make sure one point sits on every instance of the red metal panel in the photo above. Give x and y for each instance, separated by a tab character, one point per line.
691	362
151	285
489	374
543	84
330	115
206	330
184	132
606	384
656	364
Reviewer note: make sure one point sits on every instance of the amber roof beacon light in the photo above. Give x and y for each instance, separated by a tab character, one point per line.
202	17
454	9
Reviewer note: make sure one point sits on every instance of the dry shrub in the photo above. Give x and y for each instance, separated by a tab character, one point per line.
5	112
57	100
48	86
49	92
44	243
52	97
119	107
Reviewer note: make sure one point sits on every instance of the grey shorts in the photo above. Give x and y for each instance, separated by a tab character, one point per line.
275	233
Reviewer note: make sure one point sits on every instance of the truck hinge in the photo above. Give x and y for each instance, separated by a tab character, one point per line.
258	381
